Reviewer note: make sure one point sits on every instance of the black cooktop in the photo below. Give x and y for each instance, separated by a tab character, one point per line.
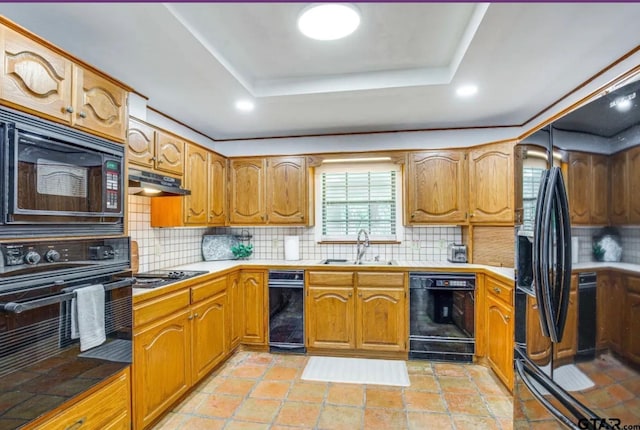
160	278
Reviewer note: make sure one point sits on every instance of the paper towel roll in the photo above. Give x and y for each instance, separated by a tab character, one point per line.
575	249
291	248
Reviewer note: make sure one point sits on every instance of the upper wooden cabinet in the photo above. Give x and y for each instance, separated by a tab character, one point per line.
491	185
436	187
633	169
287	188
271	190
195	179
46	83
217	188
588	185
141	144
619	213
169	154
247	186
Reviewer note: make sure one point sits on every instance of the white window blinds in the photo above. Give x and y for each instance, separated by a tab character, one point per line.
359	200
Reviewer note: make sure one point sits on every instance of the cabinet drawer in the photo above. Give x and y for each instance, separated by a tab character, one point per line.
499	290
107	408
380	279
208	289
160	307
336	279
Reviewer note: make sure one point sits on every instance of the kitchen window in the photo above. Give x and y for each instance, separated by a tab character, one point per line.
352	197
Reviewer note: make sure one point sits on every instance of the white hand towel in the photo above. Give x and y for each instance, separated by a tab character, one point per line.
87	316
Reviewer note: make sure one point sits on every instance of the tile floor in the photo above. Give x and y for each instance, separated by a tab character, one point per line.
264	391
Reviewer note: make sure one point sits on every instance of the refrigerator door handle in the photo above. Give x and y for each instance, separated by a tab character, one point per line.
534	379
539	277
563	248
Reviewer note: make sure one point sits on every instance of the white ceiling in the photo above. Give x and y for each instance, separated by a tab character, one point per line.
398	71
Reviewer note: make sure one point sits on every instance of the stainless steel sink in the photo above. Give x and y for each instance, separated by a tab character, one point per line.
337	262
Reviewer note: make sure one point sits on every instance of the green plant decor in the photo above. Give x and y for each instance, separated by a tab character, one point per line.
598	252
242	251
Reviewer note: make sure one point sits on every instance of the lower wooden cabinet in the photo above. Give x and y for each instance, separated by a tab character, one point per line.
361	311
568	346
235	318
107	408
630	338
254	308
178	339
499	329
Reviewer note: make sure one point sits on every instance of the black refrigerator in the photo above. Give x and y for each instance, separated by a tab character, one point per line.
577	351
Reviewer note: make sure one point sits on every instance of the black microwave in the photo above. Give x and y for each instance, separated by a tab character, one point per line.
57	181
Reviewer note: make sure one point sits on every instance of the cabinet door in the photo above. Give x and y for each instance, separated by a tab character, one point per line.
600	189
633	167
604	310
287	190
538	346
210	339
217	202
330	317
141	144
34	77
436	187
616	327
631	340
619	212
169	154
100	105
253	288
568	346
247	188
381	322
491	197
579	194
162	368
235	315
500	339
195	179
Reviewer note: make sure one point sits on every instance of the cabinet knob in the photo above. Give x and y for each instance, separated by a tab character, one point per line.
472	214
359	294
507	317
413	215
77	424
152	159
159	160
190	317
497	290
350	294
196	315
82	114
69	109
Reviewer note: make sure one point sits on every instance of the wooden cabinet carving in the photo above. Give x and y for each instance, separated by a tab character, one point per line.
330	317
252	284
169	154
491	185
499	328
141	144
436	184
210	342
43	82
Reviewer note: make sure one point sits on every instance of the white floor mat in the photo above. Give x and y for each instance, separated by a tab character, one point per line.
571	378
356	371
568	377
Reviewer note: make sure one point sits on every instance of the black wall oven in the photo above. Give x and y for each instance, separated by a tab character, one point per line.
42	363
57	181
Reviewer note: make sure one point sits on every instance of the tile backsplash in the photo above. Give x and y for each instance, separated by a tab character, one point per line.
167	247
630	237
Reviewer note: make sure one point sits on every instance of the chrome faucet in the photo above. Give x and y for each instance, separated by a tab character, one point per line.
361	247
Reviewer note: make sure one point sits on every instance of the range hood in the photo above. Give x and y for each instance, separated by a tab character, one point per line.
142	183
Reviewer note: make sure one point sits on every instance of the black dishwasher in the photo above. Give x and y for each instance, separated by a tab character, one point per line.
286	311
586	316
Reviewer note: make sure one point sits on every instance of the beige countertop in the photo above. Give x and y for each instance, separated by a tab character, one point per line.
597	265
212	267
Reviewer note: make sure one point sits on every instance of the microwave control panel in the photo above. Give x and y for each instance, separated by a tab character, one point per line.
113	193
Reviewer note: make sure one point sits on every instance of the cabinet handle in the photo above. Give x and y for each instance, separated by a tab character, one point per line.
507	317
413	215
82	115
497	290
190	317
196	315
77	424
472	214
350	294
69	109
359	294
159	161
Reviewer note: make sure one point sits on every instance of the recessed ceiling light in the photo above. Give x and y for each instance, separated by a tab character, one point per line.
466	90
328	21
623	103
245	105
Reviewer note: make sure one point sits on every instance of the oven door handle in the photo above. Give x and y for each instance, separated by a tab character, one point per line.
68	293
